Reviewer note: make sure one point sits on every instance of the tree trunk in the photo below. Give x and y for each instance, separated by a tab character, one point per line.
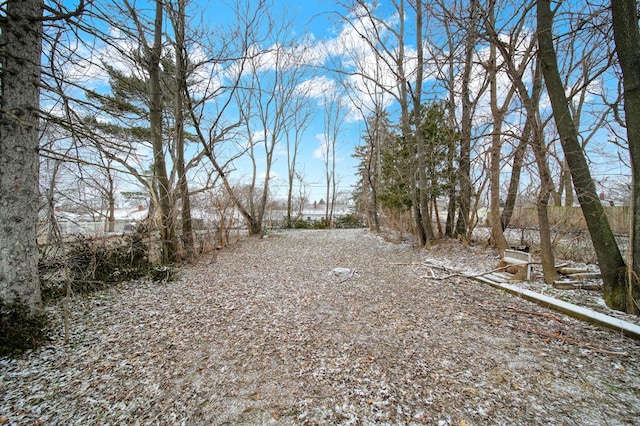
464	170
496	222
611	263
546	183
417	214
496	144
566	185
111	220
514	181
452	206
627	38
180	87
542	204
167	231
20	48
424	196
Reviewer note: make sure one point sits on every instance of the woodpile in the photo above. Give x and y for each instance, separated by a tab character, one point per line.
573	278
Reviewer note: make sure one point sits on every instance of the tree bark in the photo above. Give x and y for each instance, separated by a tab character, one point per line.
514	180
626	35
424	193
20	47
180	87
169	249
464	171
496	141
611	263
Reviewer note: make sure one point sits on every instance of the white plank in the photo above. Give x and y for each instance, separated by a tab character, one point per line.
627	328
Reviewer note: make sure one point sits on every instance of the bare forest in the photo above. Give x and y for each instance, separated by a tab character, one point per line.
251	212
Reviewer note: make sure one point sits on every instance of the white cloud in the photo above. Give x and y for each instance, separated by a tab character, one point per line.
317	87
323	149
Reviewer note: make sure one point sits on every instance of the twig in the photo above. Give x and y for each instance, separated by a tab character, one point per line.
569	340
458	274
539	314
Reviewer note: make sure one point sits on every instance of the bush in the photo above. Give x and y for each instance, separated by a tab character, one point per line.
96	264
321	224
301	224
349	221
20	329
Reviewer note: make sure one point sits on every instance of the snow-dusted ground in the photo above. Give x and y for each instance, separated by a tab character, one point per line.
270	331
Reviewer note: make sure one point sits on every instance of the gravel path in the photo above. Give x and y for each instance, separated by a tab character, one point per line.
270	332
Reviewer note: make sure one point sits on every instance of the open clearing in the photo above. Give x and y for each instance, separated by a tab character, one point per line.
270	332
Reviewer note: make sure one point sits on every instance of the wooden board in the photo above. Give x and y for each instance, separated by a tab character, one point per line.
585	314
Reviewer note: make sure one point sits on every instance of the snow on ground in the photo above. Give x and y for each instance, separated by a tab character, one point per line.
265	333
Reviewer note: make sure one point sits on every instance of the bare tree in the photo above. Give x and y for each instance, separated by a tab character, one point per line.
177	15
610	260
266	100
302	115
454	36
498	112
335	112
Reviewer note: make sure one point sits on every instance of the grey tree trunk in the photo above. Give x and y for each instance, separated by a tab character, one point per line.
424	196
181	83
464	171
498	113
20	48
169	249
514	180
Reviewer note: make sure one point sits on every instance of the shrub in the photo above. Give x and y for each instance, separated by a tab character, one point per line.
349	221
20	329
301	224
96	264
321	224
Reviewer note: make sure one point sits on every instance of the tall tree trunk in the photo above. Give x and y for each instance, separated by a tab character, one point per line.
532	105
405	125
20	48
424	193
496	142
611	263
452	206
627	38
180	87
464	170
546	184
542	206
496	223
167	231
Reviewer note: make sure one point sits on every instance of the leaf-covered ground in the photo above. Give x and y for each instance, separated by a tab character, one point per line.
270	332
